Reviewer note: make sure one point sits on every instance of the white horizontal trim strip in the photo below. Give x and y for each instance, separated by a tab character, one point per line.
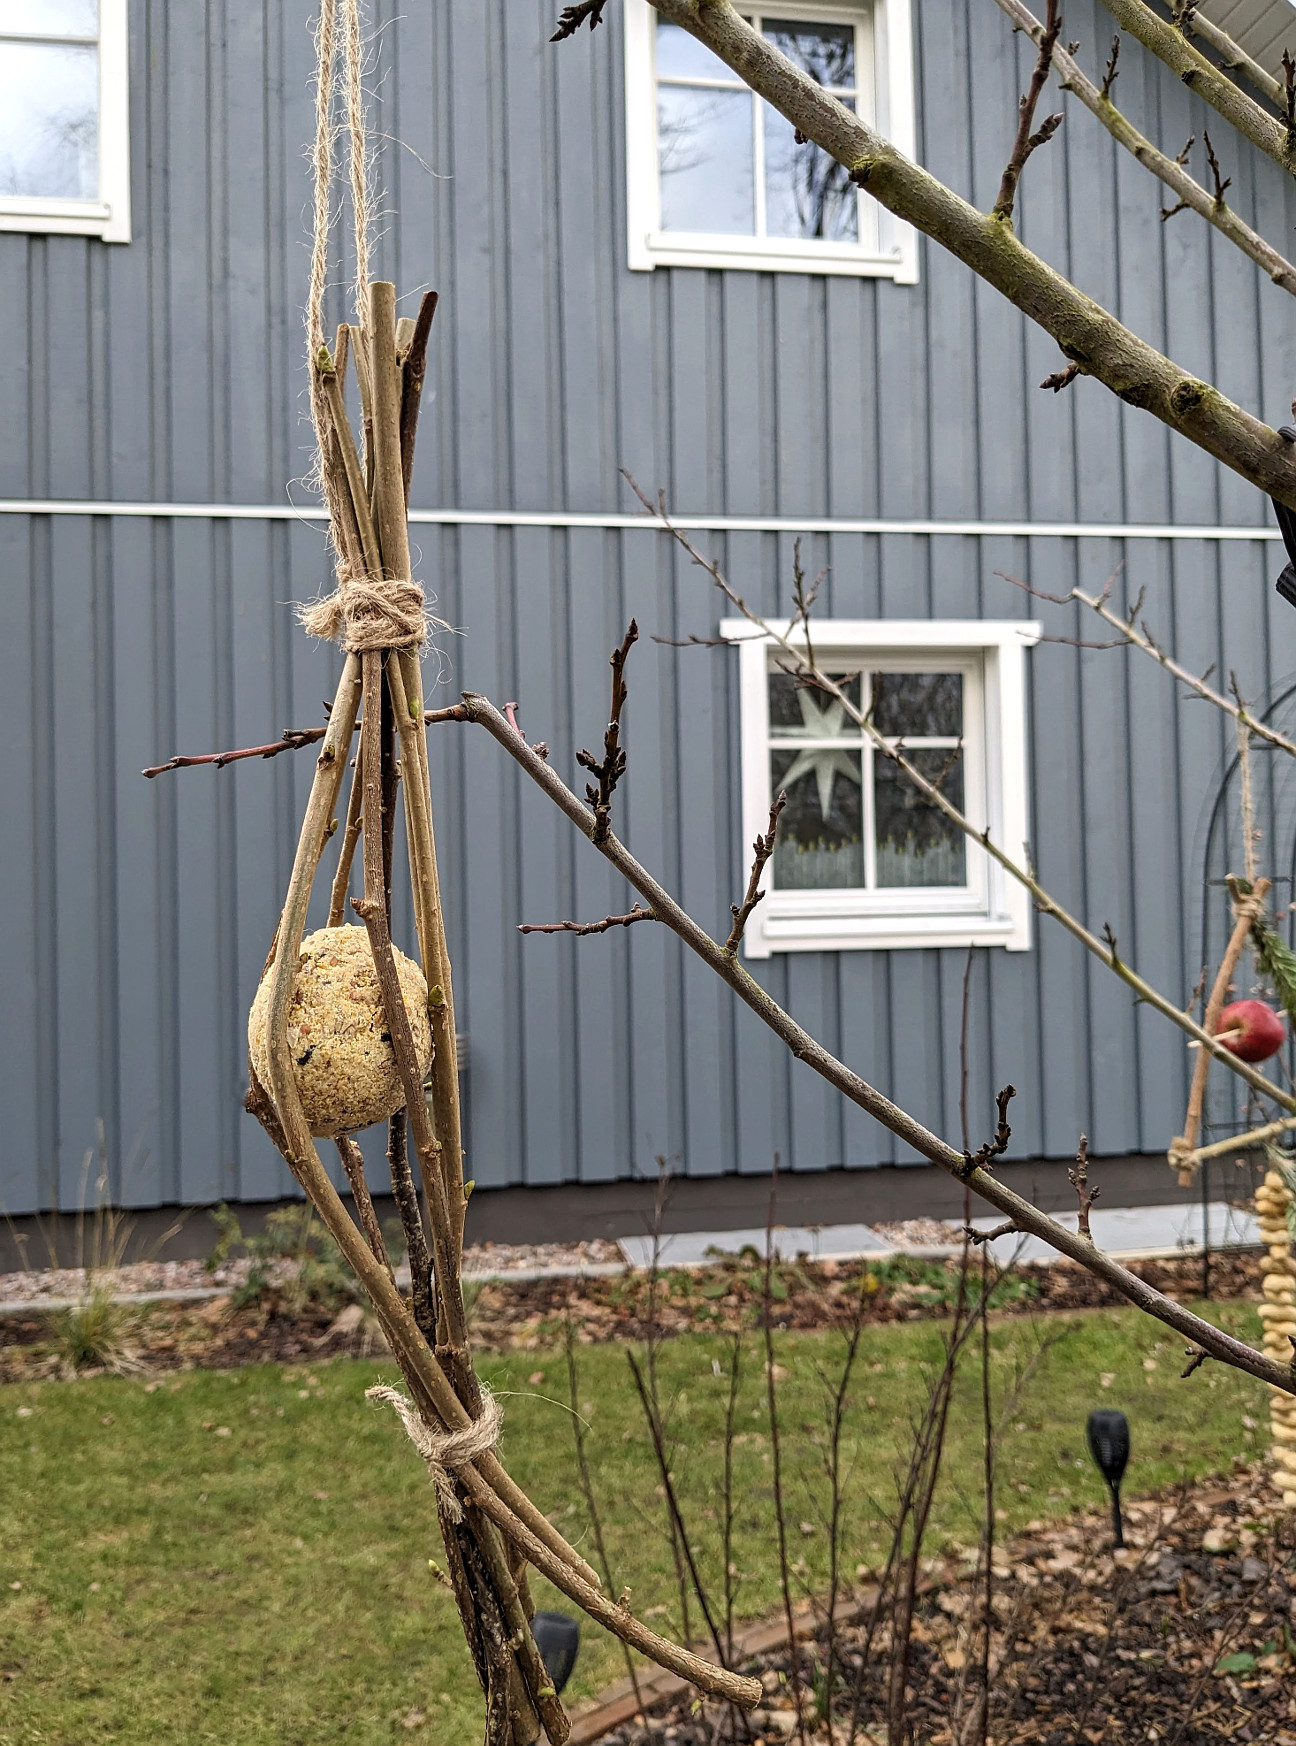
559	518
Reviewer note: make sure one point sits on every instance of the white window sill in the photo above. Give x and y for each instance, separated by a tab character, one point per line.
62	218
772	255
878	933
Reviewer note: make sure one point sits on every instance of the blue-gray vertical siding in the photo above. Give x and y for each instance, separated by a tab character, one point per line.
135	916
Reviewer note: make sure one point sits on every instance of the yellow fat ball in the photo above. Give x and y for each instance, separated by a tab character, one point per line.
343	1060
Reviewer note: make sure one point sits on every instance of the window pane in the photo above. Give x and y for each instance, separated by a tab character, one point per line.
800	712
916	843
681	56
820	843
825	51
49	121
918	705
704	142
50	17
807	193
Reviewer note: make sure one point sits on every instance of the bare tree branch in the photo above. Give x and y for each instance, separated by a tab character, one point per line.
1111	72
1170	171
1142	638
1235	59
762	849
805	1047
1027	142
1086	333
1190	65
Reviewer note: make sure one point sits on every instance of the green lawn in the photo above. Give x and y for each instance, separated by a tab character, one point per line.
242	1557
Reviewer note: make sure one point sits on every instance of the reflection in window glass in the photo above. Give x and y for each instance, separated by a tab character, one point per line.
681	56
825	51
820	842
49	17
49	120
918	705
704	144
729	164
807	193
916	844
797	710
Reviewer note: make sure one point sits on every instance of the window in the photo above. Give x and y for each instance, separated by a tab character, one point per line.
863	858
64	124
716	177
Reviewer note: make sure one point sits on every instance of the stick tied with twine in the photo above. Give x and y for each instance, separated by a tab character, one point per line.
445	1452
364	613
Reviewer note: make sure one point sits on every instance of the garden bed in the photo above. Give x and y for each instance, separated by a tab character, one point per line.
1183	1638
274	1324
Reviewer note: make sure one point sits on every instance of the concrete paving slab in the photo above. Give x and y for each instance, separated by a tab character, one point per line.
1140	1230
694	1248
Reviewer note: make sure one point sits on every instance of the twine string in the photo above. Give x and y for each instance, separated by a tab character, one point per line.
363	612
445	1452
389	613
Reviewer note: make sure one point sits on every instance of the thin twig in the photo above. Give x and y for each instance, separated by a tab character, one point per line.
762	849
1078	1176
353	1163
612	768
587	1491
776	1458
572	17
672	1503
996	1147
291	740
1141	638
1027	142
637	914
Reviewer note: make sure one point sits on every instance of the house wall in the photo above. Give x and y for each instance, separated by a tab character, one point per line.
136	915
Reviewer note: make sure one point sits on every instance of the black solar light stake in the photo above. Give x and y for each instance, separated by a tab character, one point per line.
557	1637
1109	1444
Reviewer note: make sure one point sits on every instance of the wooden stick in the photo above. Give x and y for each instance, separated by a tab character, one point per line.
372	910
353	1163
1183	1149
346	854
413	371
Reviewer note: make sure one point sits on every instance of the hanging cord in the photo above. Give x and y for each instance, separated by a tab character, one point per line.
359	151
363	612
322	164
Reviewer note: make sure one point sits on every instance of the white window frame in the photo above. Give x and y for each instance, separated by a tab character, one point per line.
108	217
890	253
993	909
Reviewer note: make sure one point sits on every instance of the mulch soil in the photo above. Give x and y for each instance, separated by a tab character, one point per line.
1184	1638
522	1315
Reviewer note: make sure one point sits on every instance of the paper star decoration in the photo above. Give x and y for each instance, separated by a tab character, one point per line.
822	762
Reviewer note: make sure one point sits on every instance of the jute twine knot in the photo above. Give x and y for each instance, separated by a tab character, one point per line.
445	1452
1249	909
369	614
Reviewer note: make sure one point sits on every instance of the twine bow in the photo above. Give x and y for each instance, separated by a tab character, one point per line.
445	1452
369	614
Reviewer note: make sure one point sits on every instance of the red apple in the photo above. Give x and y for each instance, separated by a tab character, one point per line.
1251	1030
